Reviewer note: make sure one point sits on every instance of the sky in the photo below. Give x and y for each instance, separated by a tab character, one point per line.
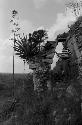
33	14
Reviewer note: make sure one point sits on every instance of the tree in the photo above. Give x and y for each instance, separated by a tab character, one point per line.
30	48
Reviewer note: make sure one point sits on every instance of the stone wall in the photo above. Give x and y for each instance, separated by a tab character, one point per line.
41	71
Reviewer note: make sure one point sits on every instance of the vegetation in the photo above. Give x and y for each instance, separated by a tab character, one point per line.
61	102
75	6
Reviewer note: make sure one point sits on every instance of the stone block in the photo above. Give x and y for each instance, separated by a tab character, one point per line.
33	65
50	55
50	61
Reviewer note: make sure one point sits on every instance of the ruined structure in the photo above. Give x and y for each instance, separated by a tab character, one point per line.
68	90
41	69
73	80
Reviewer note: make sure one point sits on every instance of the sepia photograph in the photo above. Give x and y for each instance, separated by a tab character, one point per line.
40	62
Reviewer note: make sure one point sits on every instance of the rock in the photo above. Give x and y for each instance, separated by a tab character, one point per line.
33	65
48	60
71	91
50	55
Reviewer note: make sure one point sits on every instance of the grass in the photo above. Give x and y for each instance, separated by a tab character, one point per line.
23	89
28	108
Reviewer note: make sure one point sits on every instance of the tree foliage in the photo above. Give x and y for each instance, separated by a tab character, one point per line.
30	48
75	6
76	30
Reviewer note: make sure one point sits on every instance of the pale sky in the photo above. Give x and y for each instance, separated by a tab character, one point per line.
33	14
